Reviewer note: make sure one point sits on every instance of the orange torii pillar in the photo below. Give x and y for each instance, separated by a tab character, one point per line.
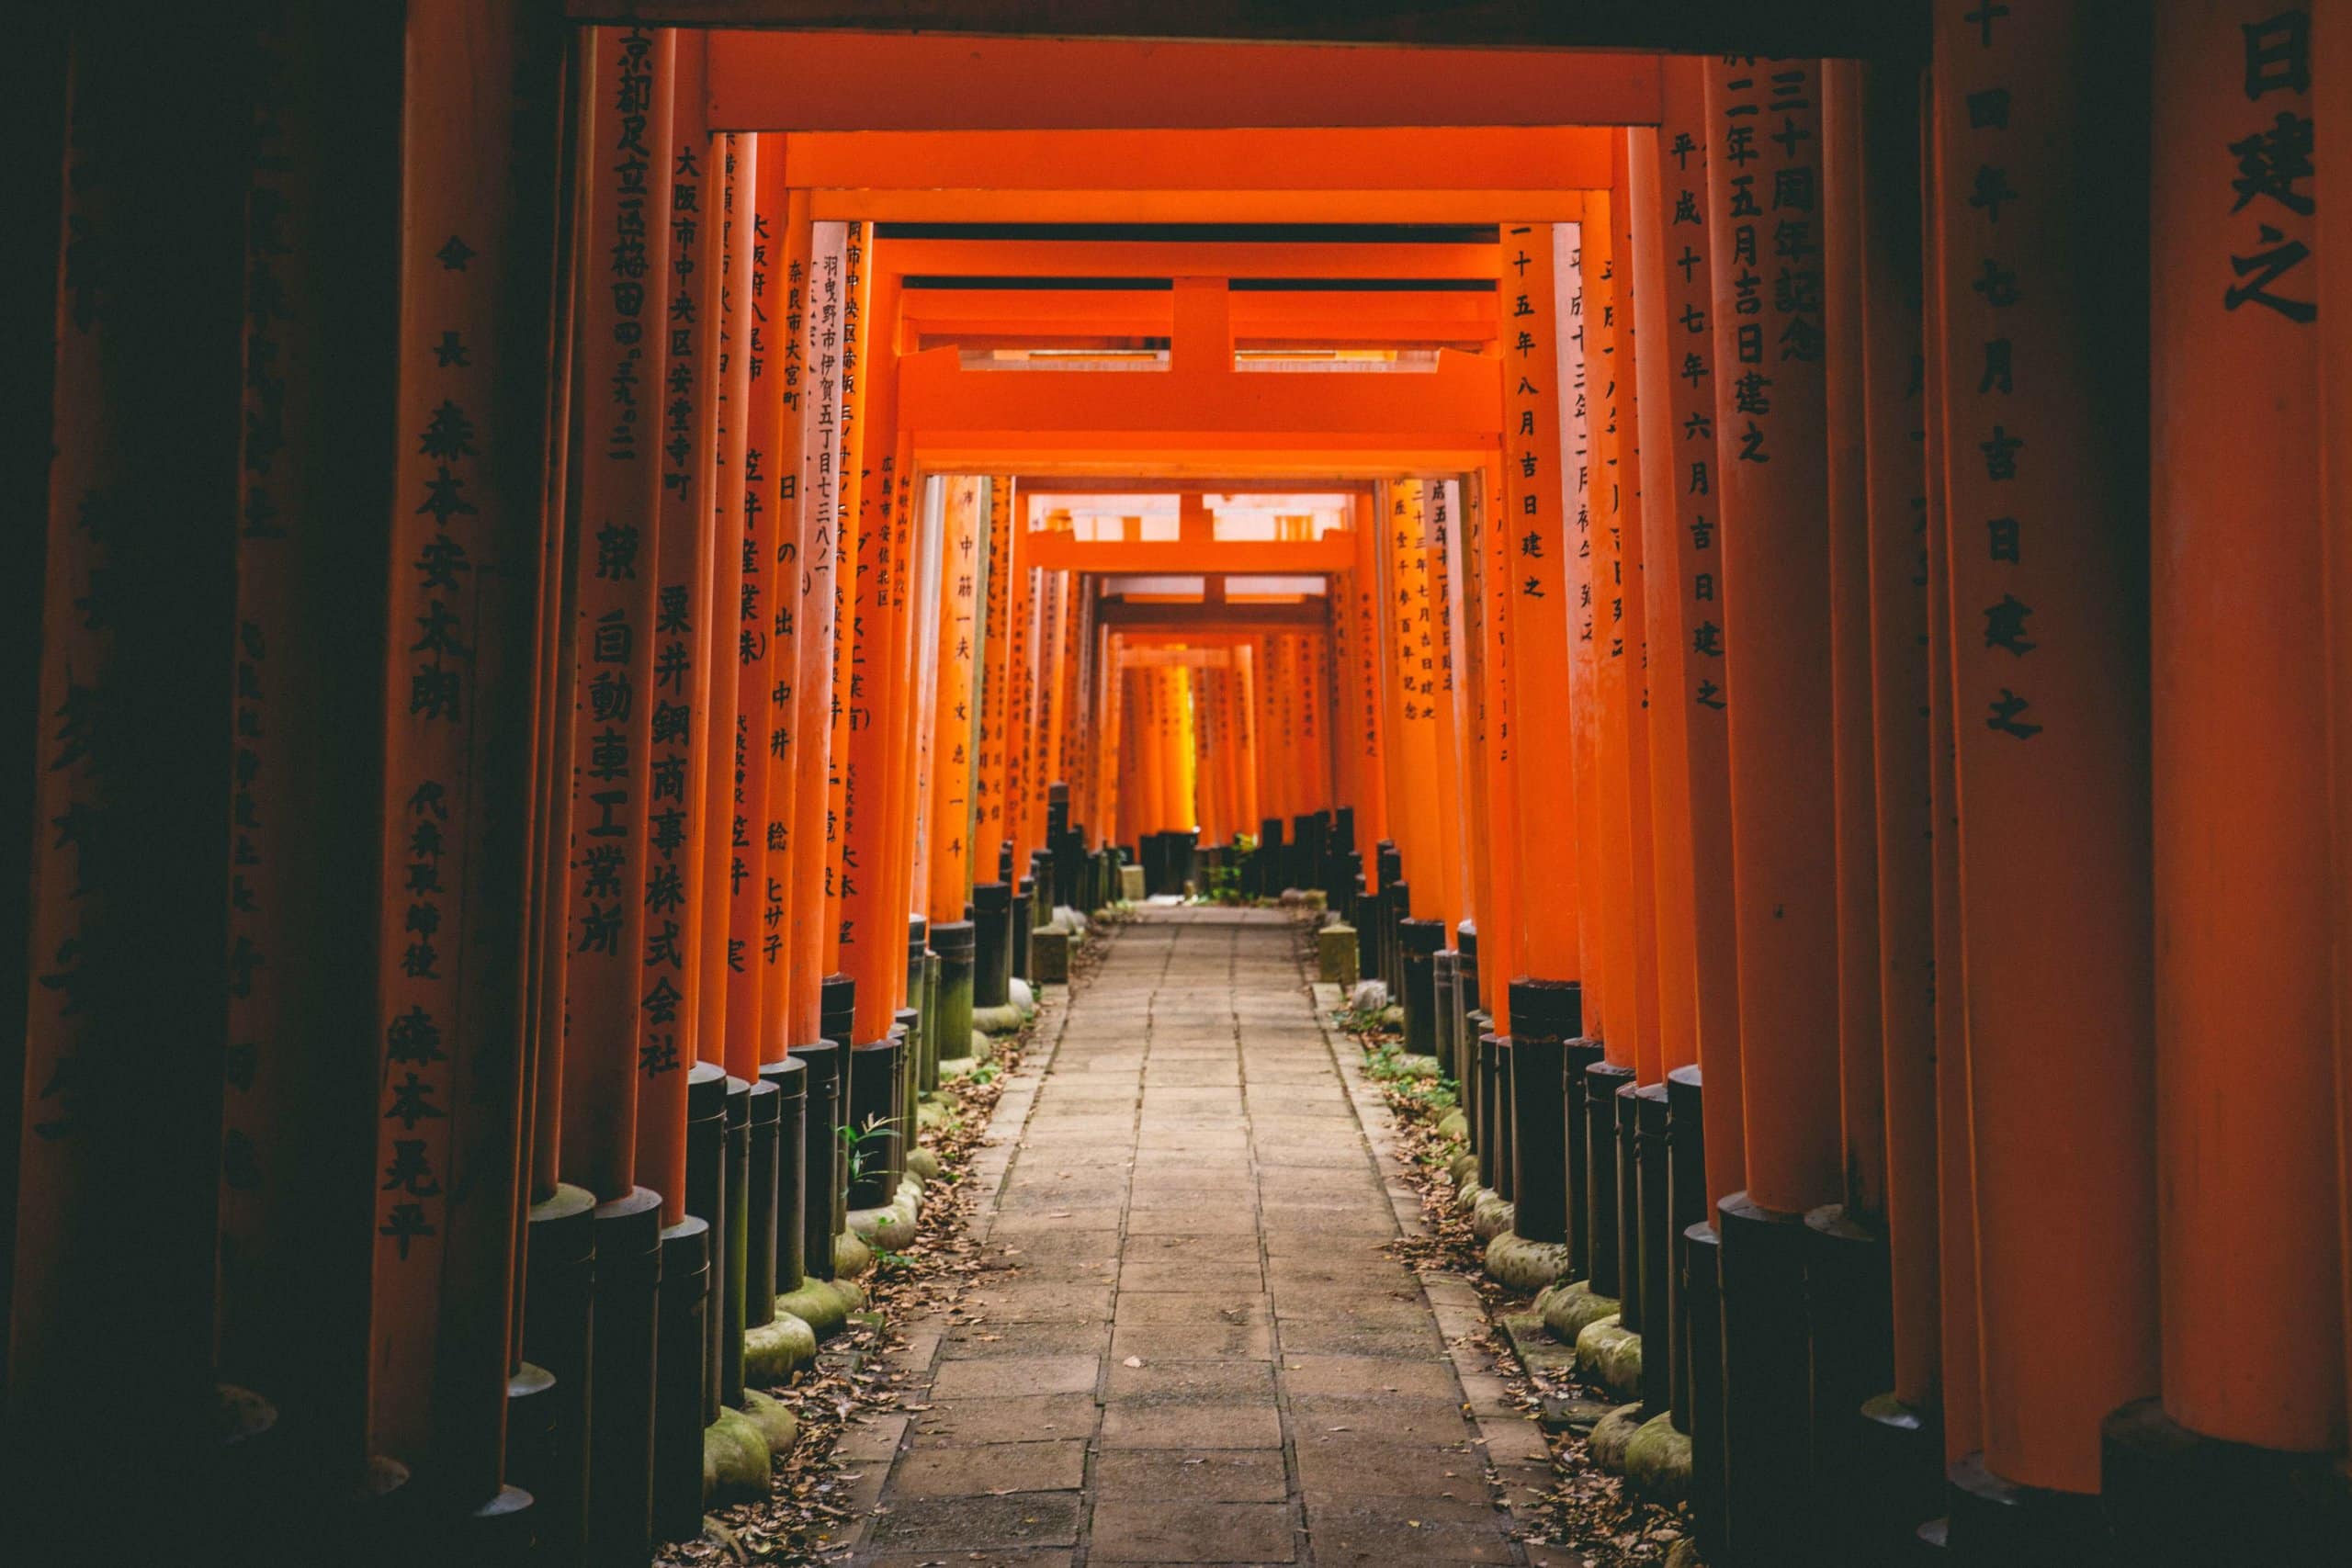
2332	56
1489	945
1659	295
1019	688
2244	1450
992	779
1628	654
131	683
624	243
1903	1456
2041	460
1532	971
960	737
827	558
293	1164
1765	208
874	916
1849	1315
1605	841
1961	1405
682	677
1420	917
1453	847
1673	254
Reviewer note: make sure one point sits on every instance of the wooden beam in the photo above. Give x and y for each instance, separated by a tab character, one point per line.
1315	316
1192	621
1115	206
1333	552
1138	157
1866	28
1470	261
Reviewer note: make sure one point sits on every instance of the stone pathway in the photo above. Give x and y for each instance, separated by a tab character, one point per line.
1188	1345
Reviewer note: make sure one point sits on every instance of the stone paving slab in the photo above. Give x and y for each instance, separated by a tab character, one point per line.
1186	1344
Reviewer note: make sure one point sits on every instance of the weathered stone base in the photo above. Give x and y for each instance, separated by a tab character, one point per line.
735	1461
1523	1265
776	1351
1572	1309
779	1428
816	1304
1610	1354
1658	1462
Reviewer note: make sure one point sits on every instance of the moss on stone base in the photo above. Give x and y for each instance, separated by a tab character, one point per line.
1491	1217
1524	1265
1572	1309
774	1351
816	1303
734	1461
1658	1462
1610	1354
1611	1437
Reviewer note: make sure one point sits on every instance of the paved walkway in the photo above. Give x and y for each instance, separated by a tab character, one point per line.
1189	1345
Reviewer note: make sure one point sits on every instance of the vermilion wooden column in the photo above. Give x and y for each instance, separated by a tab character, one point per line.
1537	557
1895	419
961	607
2247	1164
467	545
1448	741
1860	1068
616	573
1656	225
2331	82
761	655
860	557
1765	211
682	675
2042	426
722	640
296	1175
1584	436
1962	1406
1632	628
826	550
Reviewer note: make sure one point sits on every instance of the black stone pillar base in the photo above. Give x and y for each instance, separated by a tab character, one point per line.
1768	1401
707	1200
991	945
1701	1254
790	1080
1632	1298
1486	1108
1546	1015
1653	1249
678	1365
623	1349
559	1315
1899	1464
1687	1204
1574	1085
760	1269
735	1242
1849	1313
1993	1522
2175	1497
1444	1019
1602	1080
1421	939
820	1153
